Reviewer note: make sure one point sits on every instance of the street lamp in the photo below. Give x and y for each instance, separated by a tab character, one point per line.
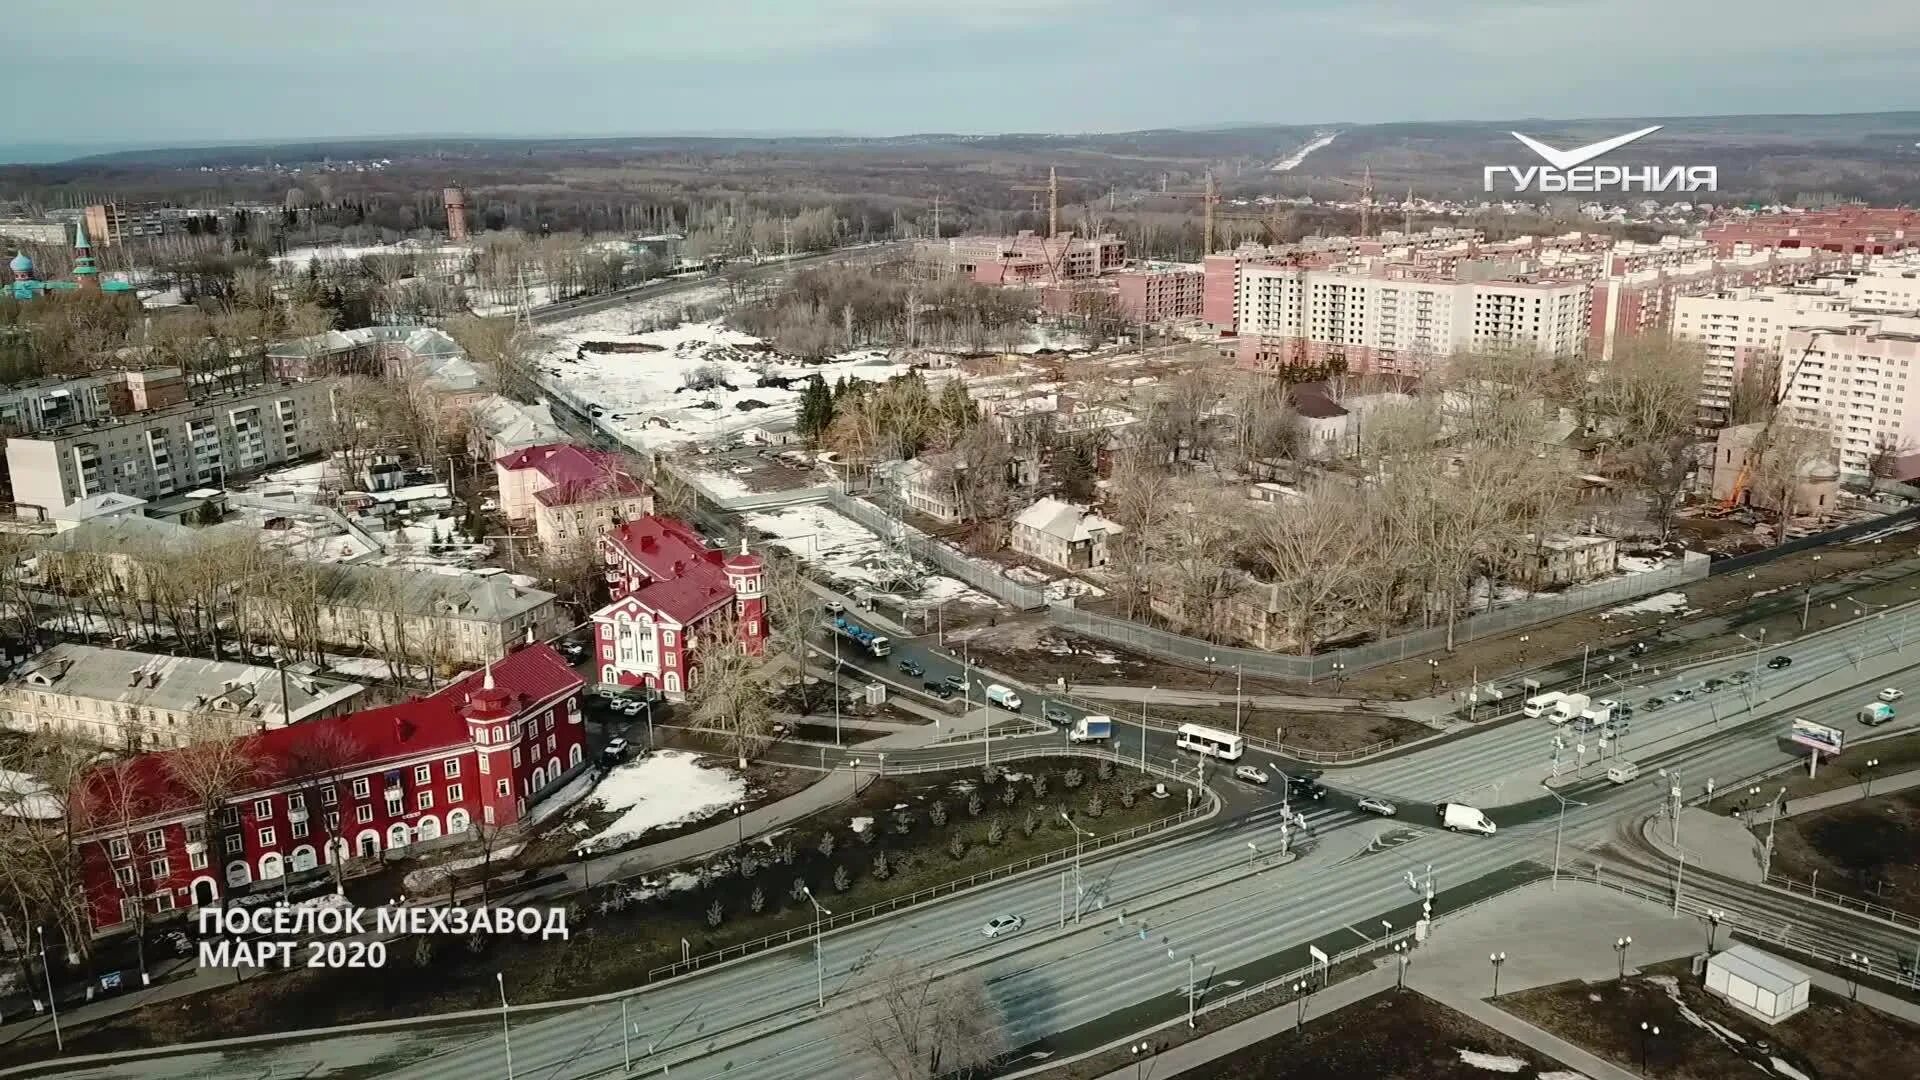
1867	776
1496	959
1433	672
1339	675
1301	990
739	827
506	1036
1402	956
1171	956
1143	1054
1255	857
586	866
1557	827
1856	963
1078	891
819	965
1621	945
1645	1031
1714	915
59	1041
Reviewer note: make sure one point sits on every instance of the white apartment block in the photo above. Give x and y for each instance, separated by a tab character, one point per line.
1854	382
172	449
1293	317
1736	328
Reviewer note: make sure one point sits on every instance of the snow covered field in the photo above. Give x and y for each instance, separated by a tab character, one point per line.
847	552
1666	603
667	787
646	397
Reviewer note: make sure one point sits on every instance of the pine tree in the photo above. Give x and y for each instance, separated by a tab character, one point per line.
816	409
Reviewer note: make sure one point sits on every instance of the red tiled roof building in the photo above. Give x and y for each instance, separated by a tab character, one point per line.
351	787
669	591
569	492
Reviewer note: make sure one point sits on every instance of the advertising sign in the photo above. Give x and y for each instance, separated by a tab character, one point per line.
1814	736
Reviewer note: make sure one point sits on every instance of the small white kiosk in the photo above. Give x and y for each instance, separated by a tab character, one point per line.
1764	987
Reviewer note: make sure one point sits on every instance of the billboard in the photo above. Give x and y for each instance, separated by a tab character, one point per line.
1814	736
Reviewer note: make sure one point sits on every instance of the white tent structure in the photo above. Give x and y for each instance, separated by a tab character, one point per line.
1764	987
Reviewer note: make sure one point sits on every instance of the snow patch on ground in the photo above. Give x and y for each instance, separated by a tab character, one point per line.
1562	1074
1787	1070
1666	603
848	552
1638	564
722	486
664	788
1491	1062
860	824
434	878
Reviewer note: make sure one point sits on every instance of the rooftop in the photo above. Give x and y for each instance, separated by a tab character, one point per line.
482	597
186	408
177	683
1065	521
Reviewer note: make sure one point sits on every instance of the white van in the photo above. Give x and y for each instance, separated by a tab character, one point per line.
1538	706
1459	817
1621	772
1003	697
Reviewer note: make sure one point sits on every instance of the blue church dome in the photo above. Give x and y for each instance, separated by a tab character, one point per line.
21	264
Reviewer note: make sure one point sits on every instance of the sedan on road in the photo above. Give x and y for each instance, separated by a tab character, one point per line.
1306	789
1250	774
1685	693
1779	662
911	669
1002	924
1378	806
958	682
1055	713
938	689
1892	693
1655	704
1712	686
1740	678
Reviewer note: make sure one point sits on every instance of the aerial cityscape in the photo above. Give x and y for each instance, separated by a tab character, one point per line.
899	542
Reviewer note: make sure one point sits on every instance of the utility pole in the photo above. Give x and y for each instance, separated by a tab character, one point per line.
936	217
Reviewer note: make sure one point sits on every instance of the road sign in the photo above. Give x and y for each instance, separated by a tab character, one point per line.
1817	737
1318	956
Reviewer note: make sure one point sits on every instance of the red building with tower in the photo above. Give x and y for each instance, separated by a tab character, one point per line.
355	787
672	593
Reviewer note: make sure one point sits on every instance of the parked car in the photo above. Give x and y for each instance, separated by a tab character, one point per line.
615	750
1640	648
1002	924
937	688
1655	704
632	707
1378	806
1892	693
1250	774
911	669
1779	662
573	650
1055	713
958	682
835	607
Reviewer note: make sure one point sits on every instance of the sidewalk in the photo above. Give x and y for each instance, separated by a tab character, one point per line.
1885	785
1432	711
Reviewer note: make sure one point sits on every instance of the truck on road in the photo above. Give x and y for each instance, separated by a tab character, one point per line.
1459	817
1091	729
869	642
1569	707
1003	697
1875	713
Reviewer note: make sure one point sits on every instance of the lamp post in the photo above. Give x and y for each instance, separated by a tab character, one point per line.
1433	673
1645	1031
586	866
819	965
1171	956
739	827
1300	992
1672	777
1339	677
1621	945
1239	675
1856	963
1714	915
1143	1055
1867	776
1402	957
506	1035
1255	856
1078	890
1773	817
59	1040
836	689
1497	960
1559	825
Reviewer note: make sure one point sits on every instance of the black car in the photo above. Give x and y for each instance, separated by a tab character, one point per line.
1306	787
1712	686
1779	662
937	689
911	669
1655	704
1639	648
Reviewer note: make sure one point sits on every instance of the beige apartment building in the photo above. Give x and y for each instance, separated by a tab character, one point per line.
155	452
1854	383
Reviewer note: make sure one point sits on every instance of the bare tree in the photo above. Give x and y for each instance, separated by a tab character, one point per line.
1884	463
110	802
1792	455
1312	555
1649	391
728	692
213	766
316	759
1662	469
917	1026
1756	391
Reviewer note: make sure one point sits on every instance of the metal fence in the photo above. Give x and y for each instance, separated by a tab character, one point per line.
1180	648
985	576
1832	536
1828	896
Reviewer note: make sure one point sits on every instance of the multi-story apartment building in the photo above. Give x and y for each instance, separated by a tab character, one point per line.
112	224
347	789
1745	326
1027	257
571	493
672	594
172	448
1319	321
1853	383
1160	293
424	616
1644	300
1847	230
137	700
44	404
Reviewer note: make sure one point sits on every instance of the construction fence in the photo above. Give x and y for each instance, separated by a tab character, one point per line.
1180	648
977	573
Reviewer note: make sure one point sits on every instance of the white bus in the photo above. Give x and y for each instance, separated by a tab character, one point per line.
1205	740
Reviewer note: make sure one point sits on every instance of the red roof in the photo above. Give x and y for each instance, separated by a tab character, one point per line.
574	473
355	740
690	595
664	547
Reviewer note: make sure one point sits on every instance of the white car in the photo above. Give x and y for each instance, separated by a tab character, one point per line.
1892	693
1002	924
1378	806
1250	774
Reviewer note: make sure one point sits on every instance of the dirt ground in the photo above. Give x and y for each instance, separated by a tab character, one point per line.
1331	732
1032	647
1701	1038
1392	1034
622	931
1896	755
1869	850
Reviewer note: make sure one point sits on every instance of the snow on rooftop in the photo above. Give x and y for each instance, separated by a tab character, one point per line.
847	551
664	788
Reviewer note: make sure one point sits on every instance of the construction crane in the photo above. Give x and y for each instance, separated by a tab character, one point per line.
1272	222
1757	449
1209	197
1365	186
1052	188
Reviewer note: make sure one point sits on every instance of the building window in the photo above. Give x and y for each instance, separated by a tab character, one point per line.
361	787
296	803
163	903
329	795
156	840
451	768
395	807
266	836
485	766
480	736
333	823
549	721
453	793
363	815
119	848
157	869
123	875
486	814
550	743
229	816
234	844
263	808
197	860
299	830
196	834
423	774
516	757
425	800
503	788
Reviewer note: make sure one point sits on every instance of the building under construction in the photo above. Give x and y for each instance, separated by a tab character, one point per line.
1027	258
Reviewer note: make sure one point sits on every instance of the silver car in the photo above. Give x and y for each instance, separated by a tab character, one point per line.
1378	806
1002	924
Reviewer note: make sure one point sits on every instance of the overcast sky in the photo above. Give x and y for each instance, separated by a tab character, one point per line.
200	70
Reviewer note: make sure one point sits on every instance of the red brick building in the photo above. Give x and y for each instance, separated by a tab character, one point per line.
1849	230
669	590
352	787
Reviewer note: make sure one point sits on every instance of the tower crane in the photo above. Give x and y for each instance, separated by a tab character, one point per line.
1209	197
1052	188
1365	186
1762	441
